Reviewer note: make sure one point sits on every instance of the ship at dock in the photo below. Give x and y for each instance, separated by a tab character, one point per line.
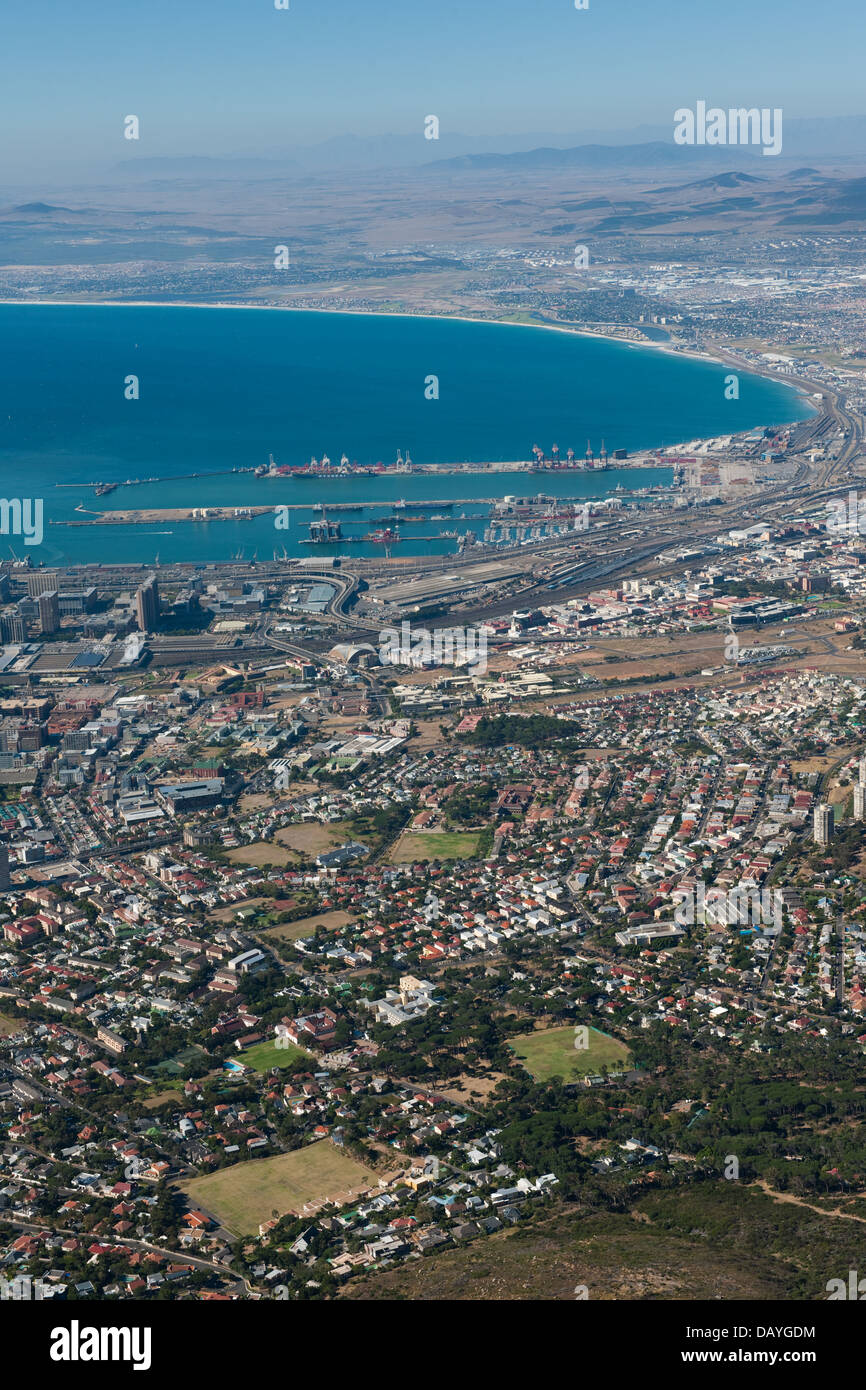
387	536
325	468
338	507
423	506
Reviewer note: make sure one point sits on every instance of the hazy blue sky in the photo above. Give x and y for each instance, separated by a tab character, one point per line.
229	76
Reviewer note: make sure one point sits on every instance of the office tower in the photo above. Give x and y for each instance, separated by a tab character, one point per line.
823	824
31	738
4	869
12	628
147	604
860	802
49	611
42	582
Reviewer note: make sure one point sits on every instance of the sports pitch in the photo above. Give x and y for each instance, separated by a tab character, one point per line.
419	845
553	1053
264	1056
247	1194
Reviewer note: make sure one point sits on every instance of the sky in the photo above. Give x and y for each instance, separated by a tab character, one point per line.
239	76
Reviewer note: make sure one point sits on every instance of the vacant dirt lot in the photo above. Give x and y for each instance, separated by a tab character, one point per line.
469	1089
163	1098
311	837
428	735
226	914
260	853
305	926
255	801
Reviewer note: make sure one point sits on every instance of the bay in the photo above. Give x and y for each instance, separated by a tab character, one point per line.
223	388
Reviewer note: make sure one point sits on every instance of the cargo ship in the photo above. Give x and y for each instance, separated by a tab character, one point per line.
423	506
323	468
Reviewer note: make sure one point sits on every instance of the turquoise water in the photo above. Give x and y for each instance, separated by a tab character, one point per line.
221	389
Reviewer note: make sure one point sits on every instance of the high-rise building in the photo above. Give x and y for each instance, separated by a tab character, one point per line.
860	802
147	604
4	869
823	824
49	611
12	628
862	776
42	582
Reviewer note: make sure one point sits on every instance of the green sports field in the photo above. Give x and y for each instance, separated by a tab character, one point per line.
553	1053
265	1055
421	845
247	1194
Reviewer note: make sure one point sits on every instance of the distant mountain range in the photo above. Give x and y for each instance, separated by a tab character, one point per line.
831	138
732	179
40	209
654	154
537	193
804	198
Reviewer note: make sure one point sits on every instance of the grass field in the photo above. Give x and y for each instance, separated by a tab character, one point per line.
244	1196
305	926
8	1026
434	844
553	1053
266	1055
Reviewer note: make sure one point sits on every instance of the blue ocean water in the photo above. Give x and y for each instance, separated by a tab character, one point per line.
221	389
